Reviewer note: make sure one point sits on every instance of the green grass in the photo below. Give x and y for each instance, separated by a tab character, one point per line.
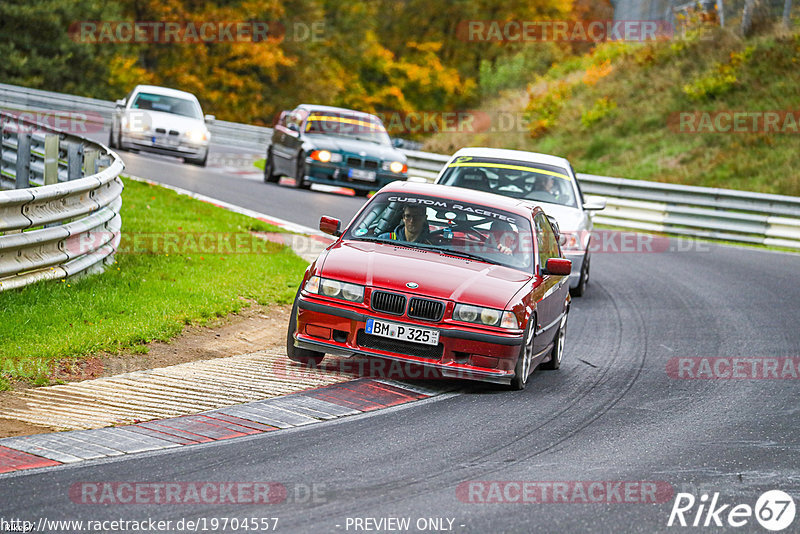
152	292
631	136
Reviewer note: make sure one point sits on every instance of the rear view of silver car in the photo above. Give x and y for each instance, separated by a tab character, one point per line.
547	181
161	120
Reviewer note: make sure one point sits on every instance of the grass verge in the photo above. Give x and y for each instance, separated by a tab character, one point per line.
181	262
617	112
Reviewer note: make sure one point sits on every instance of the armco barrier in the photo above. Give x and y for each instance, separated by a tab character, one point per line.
63	217
711	213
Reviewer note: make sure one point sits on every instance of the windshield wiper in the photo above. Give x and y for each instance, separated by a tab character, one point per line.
425	246
468	255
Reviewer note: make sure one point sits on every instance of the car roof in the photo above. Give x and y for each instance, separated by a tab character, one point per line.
519	155
166	91
334	109
460	194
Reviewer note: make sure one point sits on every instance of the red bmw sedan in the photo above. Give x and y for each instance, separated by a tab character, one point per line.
469	283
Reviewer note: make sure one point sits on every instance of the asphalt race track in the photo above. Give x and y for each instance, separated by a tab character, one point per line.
616	412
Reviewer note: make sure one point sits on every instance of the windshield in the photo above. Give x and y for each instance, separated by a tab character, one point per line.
361	127
168	104
458	228
518	179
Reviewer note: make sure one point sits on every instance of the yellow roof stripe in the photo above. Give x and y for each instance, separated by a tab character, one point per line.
344	120
512	167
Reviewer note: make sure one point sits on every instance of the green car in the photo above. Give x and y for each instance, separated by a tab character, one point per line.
333	146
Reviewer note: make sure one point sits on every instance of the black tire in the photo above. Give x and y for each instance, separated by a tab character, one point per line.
361	193
311	358
523	370
111	138
300	172
557	353
200	162
269	169
583	281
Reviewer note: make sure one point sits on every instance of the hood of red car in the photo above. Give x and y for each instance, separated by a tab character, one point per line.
440	276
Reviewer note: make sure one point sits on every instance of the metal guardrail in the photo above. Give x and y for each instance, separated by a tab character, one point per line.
711	213
98	112
62	219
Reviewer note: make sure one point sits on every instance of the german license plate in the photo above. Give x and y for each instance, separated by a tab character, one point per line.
164	141
404	332
360	174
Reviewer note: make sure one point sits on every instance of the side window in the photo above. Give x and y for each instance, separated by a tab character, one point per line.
540	224
548	244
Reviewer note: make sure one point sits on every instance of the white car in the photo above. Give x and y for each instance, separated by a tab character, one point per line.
547	181
161	120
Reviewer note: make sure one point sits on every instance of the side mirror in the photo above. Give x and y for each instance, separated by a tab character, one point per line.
594	204
559	266
281	119
119	103
331	226
398	143
210	119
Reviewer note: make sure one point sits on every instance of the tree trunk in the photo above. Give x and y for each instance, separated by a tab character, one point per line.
747	17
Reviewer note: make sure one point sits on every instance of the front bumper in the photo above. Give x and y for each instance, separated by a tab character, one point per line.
462	352
336	174
147	143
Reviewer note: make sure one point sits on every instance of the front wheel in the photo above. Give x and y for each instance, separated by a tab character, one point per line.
311	358
269	169
111	138
580	289
525	360
300	173
200	162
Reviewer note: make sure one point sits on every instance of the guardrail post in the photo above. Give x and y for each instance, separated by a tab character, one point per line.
74	161
23	160
50	159
89	162
103	163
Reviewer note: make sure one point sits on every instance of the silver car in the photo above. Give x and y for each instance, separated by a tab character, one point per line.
161	120
547	181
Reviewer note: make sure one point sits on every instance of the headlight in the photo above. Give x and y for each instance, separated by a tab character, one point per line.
335	289
326	156
485	316
572	241
397	167
197	136
132	125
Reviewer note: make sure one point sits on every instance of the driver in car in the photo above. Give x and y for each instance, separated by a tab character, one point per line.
414	227
546	184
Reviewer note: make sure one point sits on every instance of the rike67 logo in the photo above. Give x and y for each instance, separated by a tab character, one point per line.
774	510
